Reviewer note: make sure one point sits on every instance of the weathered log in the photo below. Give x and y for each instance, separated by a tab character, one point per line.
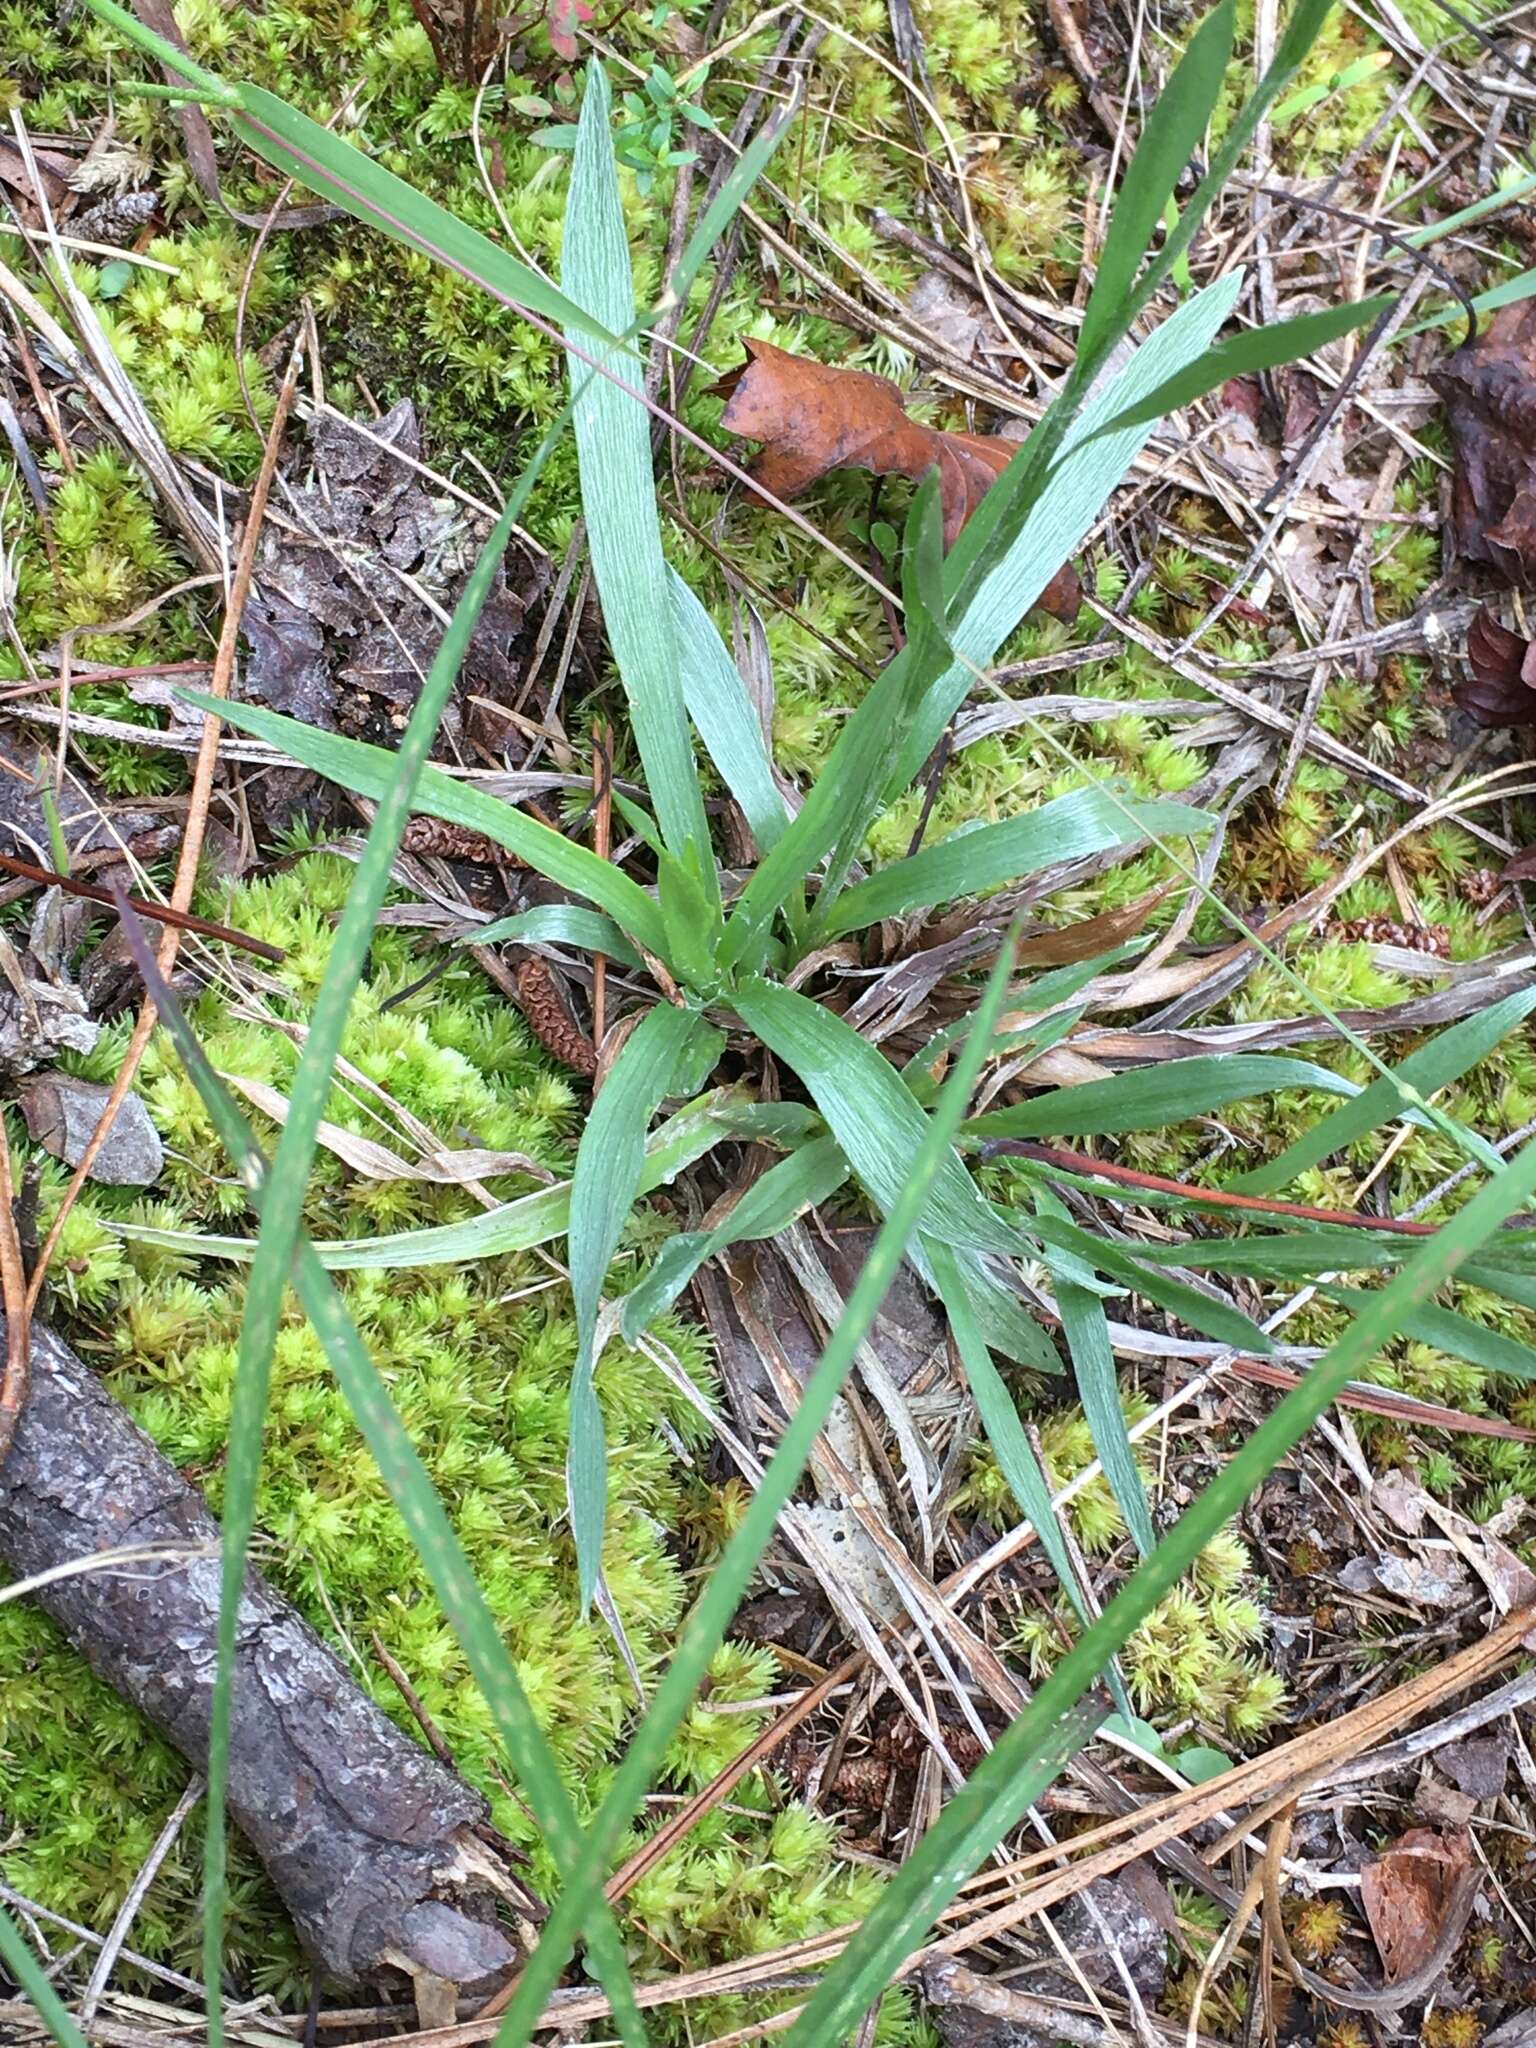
369	1840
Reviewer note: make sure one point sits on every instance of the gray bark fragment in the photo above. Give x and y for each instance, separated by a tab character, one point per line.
368	1838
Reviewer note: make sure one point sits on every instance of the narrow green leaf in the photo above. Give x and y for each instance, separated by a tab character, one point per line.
559	924
610	1161
1152	1097
1445	1059
288	1182
870	1112
132	30
1290	1256
807	1176
618	491
860	783
1458	1336
720	708
1214	1318
1005	1433
846	795
725	205
1301	32
1086	1329
970	862
426	1520
1244	354
1036	513
34	1980
333	169
980	1813
512	1226
1170	135
366	771
705	1627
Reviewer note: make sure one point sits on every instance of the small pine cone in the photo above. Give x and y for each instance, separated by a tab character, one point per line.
550	1017
116	220
1480	887
436	839
864	1781
1387	931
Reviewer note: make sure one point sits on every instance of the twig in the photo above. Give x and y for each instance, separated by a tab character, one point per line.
197	812
127	1912
13	1292
159	913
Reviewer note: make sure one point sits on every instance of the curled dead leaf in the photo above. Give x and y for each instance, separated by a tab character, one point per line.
1408	1894
813	417
1501	689
1489	388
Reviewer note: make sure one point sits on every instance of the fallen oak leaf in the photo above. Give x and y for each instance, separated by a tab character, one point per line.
813	417
1501	689
1489	388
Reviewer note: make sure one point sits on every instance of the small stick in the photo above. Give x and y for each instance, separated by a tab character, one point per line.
602	824
197	812
1219	1198
13	1292
160	913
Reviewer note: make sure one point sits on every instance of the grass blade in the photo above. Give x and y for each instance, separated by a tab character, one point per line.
848	792
512	1226
609	1162
1243	355
287	1184
559	924
1005	1433
618	494
870	1112
1446	1058
809	1175
422	1512
1170	136
1102	1255
37	1985
727	724
335	170
1086	1329
723	208
1456	1335
1150	1098
1018	538
705	1627
366	771
982	1812
986	857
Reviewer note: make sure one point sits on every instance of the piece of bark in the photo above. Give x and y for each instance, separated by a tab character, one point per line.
62	1113
369	1840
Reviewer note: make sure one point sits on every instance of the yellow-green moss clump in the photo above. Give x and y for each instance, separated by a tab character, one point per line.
478	1360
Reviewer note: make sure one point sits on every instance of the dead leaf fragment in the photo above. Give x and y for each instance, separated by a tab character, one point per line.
1501	689
813	417
1489	388
1408	1895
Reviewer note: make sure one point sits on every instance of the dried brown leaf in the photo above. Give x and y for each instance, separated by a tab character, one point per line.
1408	1894
813	417
1501	689
1489	388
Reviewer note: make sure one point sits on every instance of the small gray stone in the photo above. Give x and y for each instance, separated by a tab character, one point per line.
61	1114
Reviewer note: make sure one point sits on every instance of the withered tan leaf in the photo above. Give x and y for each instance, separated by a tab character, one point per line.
813	417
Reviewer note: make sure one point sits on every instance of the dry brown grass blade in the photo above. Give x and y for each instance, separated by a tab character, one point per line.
197	812
1277	1777
13	1294
156	913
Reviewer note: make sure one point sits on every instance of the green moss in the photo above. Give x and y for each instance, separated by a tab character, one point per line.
478	1361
